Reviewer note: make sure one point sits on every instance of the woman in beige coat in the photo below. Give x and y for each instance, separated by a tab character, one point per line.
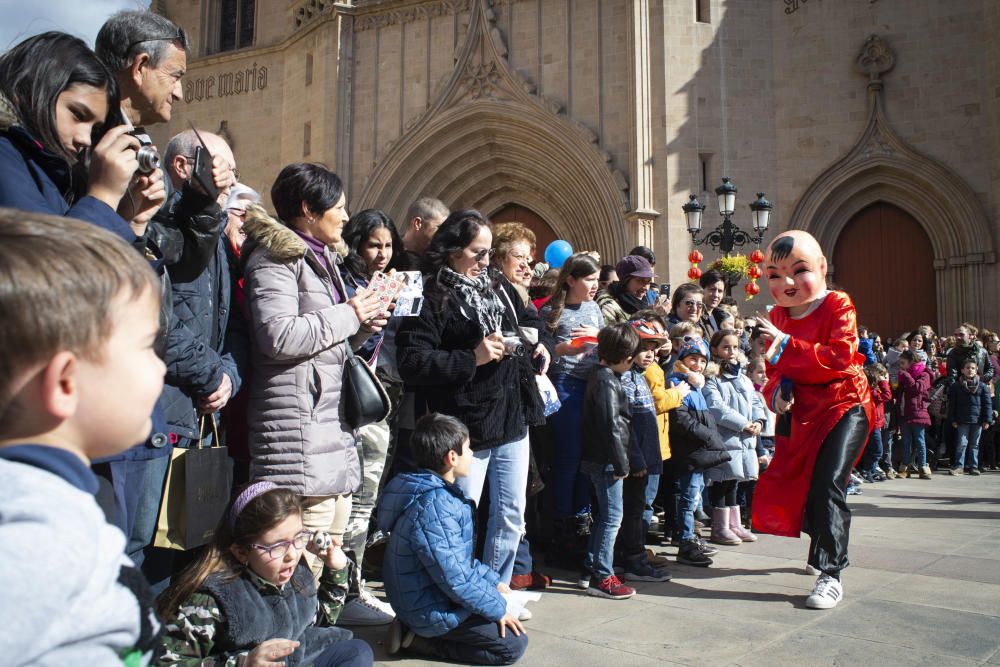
300	319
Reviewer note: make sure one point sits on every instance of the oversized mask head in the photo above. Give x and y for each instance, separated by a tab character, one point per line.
795	269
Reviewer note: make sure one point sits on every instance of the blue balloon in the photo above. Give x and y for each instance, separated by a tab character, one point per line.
557	253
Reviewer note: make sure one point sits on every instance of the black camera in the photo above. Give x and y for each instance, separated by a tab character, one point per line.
147	156
513	346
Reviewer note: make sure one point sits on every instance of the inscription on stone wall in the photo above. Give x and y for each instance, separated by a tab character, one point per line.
225	84
793	5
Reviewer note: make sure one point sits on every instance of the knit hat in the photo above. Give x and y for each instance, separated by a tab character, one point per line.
697	346
634	266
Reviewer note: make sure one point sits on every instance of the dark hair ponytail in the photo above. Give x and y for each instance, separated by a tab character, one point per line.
260	515
35	72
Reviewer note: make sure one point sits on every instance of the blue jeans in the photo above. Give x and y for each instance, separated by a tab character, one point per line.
348	653
967	440
506	466
652	488
476	641
913	437
523	563
691	484
873	452
569	488
601	551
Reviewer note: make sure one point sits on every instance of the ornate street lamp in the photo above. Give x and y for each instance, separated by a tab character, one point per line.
728	235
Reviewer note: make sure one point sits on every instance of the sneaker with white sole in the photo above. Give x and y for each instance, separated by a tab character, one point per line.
524	614
826	593
366	609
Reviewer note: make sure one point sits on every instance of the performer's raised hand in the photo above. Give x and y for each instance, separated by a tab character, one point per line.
766	326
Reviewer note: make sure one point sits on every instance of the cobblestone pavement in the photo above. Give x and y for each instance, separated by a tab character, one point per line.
923	589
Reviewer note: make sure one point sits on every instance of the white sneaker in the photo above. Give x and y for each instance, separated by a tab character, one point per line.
826	594
524	614
366	609
811	570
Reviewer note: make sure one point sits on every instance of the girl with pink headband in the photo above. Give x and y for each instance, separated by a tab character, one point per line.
251	596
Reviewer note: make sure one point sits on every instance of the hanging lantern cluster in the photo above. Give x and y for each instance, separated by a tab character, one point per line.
695	258
754	272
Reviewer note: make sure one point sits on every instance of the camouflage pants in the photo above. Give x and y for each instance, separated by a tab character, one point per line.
373	447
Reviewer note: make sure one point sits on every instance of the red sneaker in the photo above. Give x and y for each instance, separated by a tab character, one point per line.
535	581
611	588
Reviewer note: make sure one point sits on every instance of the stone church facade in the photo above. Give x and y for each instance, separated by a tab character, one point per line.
873	124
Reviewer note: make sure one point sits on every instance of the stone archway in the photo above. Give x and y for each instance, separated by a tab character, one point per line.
882	167
487	140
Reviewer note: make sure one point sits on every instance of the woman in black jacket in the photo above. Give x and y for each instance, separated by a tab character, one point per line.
470	354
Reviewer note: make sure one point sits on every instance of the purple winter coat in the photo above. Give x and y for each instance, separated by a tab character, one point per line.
916	386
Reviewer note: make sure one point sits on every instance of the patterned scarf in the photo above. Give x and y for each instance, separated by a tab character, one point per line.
970	385
478	295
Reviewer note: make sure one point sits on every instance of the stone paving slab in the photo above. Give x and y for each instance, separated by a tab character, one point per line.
923	589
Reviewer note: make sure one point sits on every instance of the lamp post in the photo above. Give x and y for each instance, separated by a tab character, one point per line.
728	235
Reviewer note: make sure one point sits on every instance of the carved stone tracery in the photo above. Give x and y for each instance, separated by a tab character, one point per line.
883	167
516	142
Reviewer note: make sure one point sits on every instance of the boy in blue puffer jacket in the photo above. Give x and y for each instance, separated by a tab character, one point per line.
447	603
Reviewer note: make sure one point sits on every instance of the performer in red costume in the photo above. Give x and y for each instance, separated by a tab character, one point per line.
815	383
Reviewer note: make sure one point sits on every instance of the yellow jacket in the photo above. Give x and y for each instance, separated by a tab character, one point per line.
665	399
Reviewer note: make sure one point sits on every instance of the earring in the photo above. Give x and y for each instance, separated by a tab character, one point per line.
311	221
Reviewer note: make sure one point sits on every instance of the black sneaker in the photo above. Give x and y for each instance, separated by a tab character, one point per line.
691	554
705	547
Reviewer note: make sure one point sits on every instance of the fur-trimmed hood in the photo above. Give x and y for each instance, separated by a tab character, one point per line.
272	235
8	116
280	241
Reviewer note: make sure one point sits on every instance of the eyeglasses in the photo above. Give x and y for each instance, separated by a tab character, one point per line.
238	212
279	549
483	254
693	304
521	258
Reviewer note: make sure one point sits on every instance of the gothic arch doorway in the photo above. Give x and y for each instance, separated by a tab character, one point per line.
883	258
536	223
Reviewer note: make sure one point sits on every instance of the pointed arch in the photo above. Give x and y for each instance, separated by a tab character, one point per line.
487	135
883	167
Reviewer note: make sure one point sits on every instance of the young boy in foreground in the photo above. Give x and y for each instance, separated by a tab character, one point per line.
78	380
447	603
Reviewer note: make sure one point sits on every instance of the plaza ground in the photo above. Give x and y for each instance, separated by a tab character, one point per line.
923	589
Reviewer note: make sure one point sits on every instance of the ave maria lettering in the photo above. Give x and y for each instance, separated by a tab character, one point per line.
225	84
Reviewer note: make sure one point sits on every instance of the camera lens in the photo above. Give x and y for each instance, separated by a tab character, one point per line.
148	158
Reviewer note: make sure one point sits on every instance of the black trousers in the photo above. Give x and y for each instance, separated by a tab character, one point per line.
631	541
827	516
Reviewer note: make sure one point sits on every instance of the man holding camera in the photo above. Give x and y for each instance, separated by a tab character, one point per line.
147	54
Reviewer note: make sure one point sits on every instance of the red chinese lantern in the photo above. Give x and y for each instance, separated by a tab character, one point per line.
752	289
695	257
754	272
756	256
694	273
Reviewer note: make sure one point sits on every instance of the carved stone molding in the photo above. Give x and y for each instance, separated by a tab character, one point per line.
486	134
419	12
309	11
883	167
876	58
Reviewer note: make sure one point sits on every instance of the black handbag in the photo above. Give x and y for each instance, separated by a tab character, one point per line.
364	398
